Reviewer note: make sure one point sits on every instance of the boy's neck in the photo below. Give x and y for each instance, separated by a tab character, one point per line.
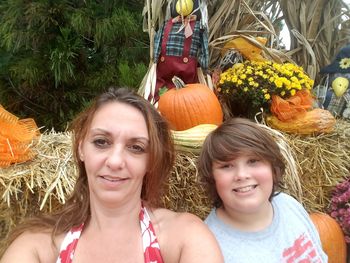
247	222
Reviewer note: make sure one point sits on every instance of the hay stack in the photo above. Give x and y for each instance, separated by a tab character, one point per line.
185	193
324	161
45	182
41	184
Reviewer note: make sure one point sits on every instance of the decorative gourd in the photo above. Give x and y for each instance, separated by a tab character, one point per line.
332	237
186	106
340	85
315	121
191	140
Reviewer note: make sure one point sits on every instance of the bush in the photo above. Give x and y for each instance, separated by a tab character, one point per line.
57	55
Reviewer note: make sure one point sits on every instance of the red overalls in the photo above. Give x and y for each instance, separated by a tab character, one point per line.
184	67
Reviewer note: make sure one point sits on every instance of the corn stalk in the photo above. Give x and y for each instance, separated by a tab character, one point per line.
319	29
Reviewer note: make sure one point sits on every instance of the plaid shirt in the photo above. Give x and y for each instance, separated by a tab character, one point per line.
174	47
336	105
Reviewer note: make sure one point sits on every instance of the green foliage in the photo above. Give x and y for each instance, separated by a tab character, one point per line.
63	55
129	76
57	55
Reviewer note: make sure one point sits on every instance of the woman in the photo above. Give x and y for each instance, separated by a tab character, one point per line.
242	167
124	153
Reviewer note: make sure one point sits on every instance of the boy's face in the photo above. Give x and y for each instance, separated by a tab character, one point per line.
244	184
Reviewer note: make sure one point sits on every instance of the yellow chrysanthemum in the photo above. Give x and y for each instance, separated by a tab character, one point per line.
259	81
267	96
344	63
278	83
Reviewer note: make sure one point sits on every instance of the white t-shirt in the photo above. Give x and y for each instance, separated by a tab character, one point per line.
290	238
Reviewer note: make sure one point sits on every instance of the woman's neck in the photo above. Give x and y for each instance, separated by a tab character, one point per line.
106	216
247	222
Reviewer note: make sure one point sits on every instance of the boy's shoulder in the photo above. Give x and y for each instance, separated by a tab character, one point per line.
281	196
288	204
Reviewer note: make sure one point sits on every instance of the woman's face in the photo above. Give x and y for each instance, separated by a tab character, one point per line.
115	153
244	184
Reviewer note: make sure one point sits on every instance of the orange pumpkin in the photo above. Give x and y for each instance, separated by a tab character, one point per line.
332	237
186	106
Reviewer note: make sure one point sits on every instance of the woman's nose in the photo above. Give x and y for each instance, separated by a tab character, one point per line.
116	158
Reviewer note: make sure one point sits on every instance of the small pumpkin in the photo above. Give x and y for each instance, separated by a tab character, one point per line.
186	106
332	237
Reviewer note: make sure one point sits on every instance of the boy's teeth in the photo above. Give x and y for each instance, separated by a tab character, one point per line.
245	189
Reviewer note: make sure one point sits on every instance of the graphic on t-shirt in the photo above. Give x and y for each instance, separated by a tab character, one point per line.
302	251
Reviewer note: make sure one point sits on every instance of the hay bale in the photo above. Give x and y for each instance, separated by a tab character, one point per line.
324	161
40	185
44	183
185	193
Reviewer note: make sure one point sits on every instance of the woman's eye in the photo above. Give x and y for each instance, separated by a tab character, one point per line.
101	143
137	148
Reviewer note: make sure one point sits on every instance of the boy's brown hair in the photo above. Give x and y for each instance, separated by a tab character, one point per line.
234	137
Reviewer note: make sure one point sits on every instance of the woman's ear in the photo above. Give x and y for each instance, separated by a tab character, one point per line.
80	153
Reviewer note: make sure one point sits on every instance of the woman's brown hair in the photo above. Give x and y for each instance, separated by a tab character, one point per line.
161	160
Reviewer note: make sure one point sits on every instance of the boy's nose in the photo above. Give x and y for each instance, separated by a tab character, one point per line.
241	173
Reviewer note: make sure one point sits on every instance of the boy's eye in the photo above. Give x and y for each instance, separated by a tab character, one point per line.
221	165
225	165
253	160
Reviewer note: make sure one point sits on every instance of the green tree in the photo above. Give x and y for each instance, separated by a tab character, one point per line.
56	55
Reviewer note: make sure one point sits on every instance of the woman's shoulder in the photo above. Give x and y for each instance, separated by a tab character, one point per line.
32	246
172	219
184	237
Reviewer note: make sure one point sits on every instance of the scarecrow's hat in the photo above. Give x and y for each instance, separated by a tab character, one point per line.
341	64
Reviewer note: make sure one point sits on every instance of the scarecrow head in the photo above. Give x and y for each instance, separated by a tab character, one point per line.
341	64
185	8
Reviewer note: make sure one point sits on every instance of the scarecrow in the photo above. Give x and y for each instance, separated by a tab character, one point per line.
180	46
334	94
